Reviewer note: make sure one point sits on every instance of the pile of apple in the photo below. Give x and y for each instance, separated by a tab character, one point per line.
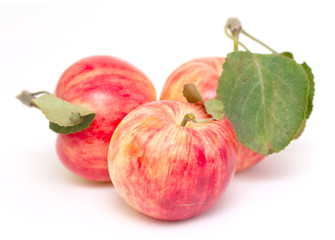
172	159
168	159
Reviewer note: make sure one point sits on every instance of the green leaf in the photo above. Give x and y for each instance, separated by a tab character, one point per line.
311	84
64	116
311	91
87	120
287	54
215	108
265	98
192	94
301	130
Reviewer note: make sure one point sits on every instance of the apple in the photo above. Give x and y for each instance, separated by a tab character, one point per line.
111	88
168	171
205	73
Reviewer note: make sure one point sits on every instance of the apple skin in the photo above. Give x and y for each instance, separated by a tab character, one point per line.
111	88
205	73
167	171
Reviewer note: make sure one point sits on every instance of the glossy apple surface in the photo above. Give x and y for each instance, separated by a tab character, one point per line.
168	171
205	73
111	88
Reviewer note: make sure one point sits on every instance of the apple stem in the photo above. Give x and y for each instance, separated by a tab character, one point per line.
190	117
258	41
235	43
187	117
235	27
26	97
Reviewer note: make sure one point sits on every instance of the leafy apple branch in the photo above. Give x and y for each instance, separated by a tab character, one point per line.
64	116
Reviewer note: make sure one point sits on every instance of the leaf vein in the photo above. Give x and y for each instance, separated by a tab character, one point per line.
261	82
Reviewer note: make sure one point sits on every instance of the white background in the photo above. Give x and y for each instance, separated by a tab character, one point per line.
290	195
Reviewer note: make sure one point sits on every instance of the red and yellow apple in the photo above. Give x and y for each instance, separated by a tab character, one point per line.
111	88
205	73
168	171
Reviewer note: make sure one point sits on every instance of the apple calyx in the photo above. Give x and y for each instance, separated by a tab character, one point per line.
64	117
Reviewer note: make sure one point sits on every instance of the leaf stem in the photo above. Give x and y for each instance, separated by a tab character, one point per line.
258	41
190	117
204	120
40	92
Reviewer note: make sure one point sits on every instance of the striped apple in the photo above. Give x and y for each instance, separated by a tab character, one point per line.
205	73
168	171
111	88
